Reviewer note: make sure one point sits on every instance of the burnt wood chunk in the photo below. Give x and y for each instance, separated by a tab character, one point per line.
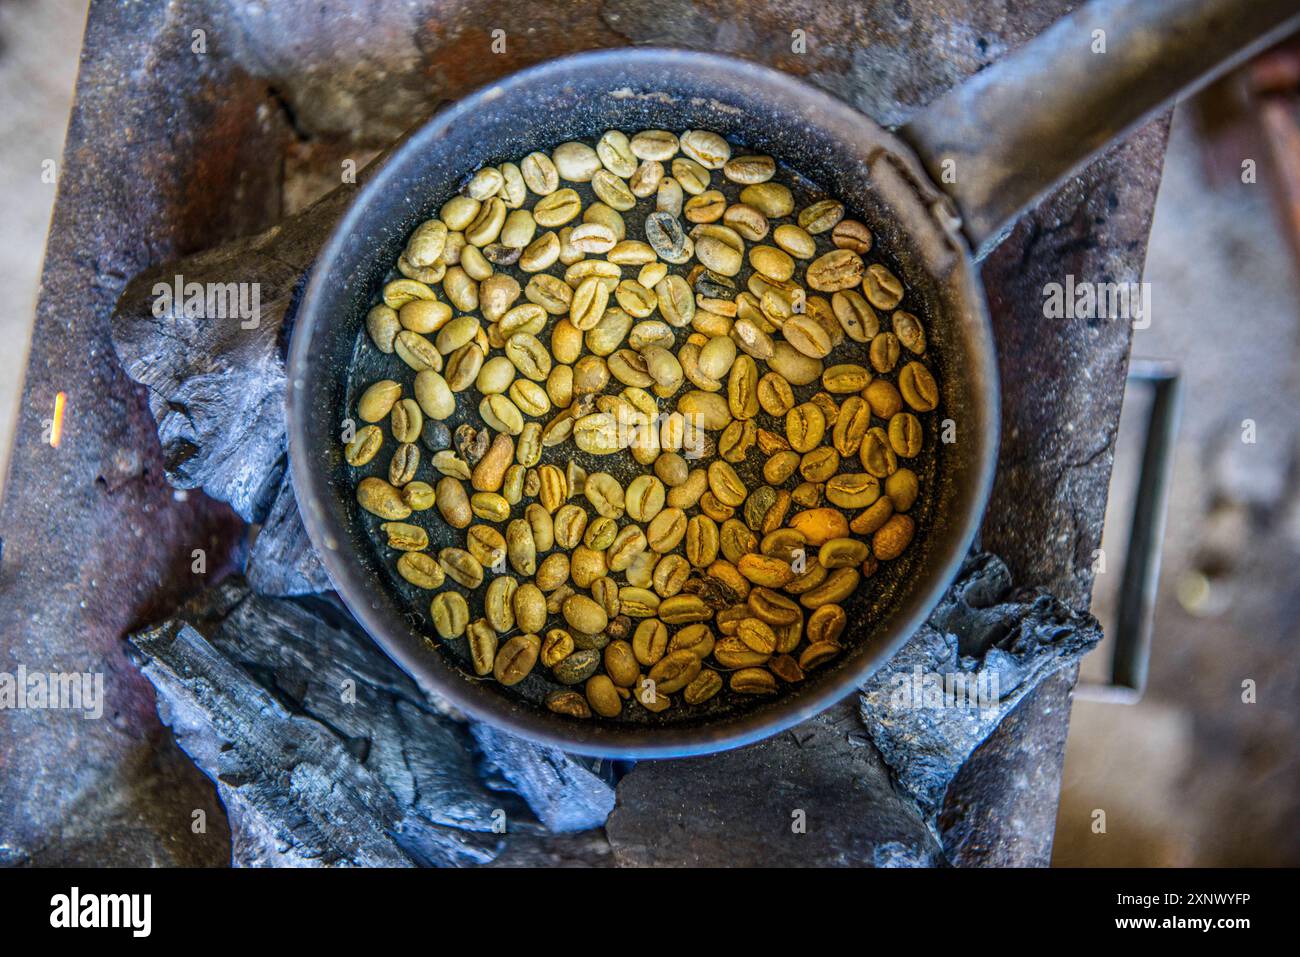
214	368
325	753
982	651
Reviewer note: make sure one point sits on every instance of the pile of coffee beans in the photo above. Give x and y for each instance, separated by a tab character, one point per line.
677	354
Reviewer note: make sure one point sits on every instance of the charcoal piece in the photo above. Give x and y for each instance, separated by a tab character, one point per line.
742	808
282	560
215	375
326	754
567	793
985	648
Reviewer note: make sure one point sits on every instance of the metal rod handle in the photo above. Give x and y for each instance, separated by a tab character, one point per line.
1005	137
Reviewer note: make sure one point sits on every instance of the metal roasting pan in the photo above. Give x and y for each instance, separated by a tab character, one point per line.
997	143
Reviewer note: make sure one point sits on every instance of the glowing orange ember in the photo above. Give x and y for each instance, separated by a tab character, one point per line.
56	425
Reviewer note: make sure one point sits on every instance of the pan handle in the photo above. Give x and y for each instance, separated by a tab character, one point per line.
1012	132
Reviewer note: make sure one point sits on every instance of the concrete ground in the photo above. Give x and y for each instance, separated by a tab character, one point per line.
1192	774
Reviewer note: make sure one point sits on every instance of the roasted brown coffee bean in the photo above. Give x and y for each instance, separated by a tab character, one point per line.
515	659
703	687
786	668
569	703
902	488
851	234
843	553
621	664
837	587
881	287
892	538
675	671
827	623
820	525
773	607
918	387
873	517
753	681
